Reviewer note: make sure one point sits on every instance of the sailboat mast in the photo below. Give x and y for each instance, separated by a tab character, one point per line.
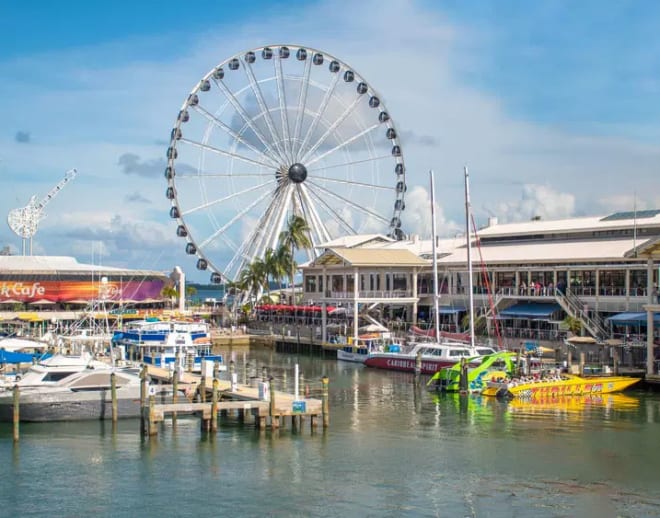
469	253
436	295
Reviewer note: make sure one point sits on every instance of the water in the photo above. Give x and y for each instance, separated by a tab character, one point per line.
391	450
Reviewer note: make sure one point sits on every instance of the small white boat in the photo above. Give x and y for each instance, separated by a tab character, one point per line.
50	370
81	395
358	350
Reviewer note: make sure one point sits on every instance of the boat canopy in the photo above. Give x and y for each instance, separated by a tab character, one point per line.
632	319
530	310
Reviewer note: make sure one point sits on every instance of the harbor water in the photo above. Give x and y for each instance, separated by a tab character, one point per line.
392	449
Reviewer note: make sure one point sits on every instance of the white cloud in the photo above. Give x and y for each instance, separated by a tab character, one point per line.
417	217
537	201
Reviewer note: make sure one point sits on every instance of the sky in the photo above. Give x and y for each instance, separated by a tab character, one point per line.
552	105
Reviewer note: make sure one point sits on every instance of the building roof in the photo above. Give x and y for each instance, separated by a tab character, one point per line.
368	257
43	264
620	220
356	240
547	251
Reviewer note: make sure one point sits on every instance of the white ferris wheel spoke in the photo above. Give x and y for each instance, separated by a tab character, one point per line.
233	220
332	212
319	115
223	152
284	116
353	183
199	175
333	127
214	120
350	203
302	103
258	94
246	118
342	144
346	164
316	222
226	198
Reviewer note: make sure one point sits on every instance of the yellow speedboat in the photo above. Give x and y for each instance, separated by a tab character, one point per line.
562	385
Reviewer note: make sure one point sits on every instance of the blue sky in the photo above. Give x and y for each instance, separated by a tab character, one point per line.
553	105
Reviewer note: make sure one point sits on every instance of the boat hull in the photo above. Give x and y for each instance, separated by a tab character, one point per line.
76	406
571	386
399	362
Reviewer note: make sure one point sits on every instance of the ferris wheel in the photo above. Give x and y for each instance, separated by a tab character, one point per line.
279	131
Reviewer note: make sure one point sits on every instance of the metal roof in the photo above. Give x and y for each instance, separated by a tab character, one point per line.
569	225
369	257
49	265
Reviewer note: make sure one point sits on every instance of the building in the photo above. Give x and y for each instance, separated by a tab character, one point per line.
527	277
57	282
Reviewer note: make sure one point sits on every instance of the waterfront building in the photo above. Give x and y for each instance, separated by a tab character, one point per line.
528	277
39	289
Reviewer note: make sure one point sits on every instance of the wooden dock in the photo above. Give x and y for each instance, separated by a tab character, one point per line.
266	406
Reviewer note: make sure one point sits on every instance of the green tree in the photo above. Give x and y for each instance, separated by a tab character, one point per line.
253	278
295	237
169	292
573	324
191	291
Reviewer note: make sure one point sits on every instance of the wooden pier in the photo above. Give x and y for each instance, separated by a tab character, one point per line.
266	406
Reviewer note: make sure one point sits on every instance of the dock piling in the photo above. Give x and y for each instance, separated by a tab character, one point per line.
17	413
113	395
143	401
326	405
214	406
274	419
175	390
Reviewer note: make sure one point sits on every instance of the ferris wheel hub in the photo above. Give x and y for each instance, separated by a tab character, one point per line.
297	173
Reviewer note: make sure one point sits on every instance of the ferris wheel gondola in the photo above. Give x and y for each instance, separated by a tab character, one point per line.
276	131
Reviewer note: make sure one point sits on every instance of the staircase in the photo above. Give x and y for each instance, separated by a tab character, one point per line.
574	306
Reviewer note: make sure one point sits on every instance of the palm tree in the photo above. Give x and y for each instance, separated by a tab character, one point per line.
295	237
169	292
253	278
279	265
191	291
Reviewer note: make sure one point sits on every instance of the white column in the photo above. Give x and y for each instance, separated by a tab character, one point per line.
355	304
650	330
414	295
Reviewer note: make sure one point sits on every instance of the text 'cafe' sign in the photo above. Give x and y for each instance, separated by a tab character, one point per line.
21	289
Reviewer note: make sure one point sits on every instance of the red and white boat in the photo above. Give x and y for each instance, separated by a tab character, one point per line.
434	356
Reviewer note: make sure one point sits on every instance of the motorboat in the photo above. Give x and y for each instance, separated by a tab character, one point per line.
160	343
82	395
433	356
358	350
51	369
493	366
559	384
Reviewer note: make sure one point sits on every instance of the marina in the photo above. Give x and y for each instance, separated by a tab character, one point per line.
292	324
439	455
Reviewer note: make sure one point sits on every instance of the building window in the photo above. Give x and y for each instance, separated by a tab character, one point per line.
310	283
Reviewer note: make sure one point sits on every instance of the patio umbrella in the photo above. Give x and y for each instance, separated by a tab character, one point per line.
10	301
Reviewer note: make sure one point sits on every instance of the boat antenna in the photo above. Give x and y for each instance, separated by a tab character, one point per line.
435	259
469	253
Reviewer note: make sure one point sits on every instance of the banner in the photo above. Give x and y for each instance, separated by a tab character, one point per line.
65	291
